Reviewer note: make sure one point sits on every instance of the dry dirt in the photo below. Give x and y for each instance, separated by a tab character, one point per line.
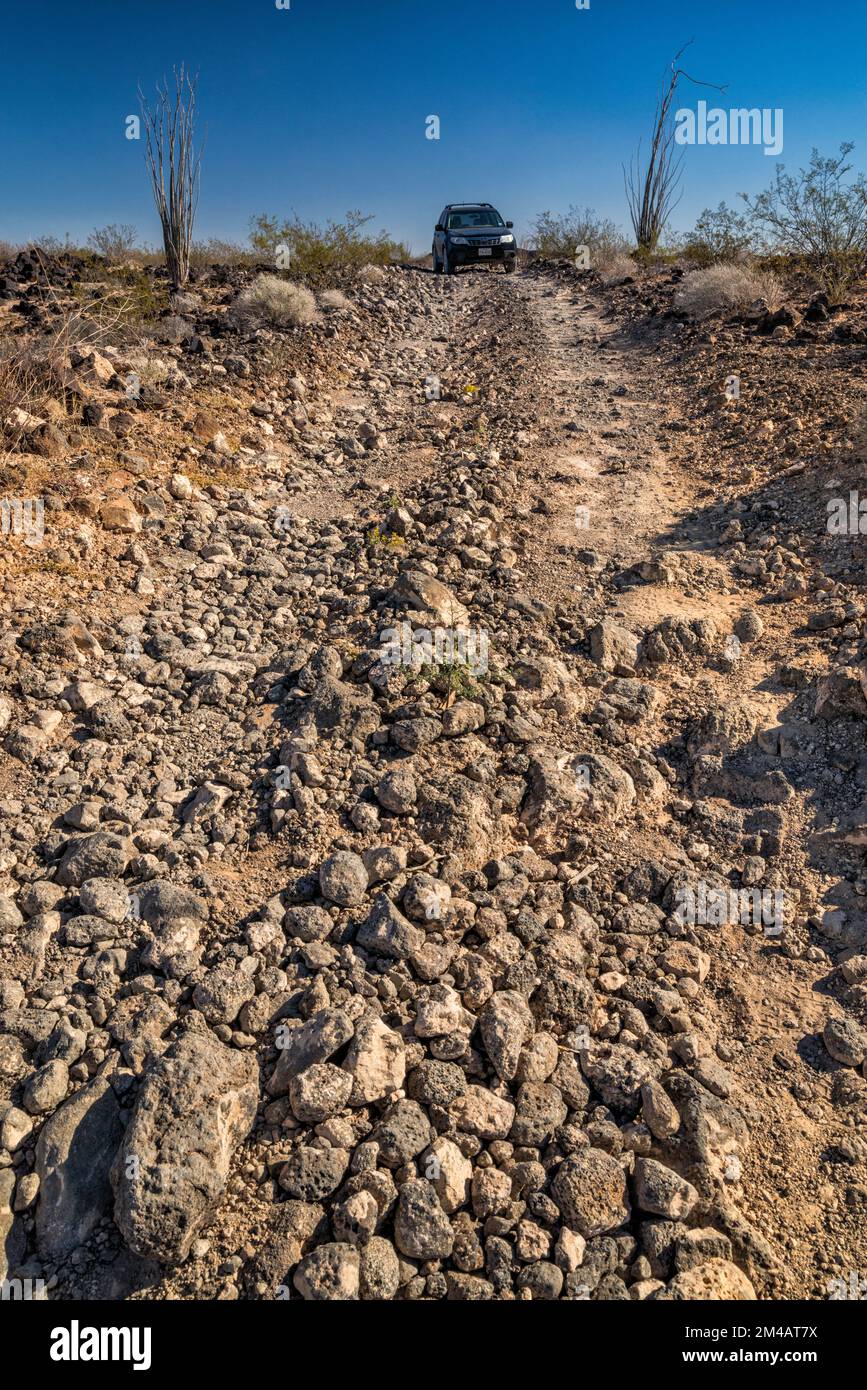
581	398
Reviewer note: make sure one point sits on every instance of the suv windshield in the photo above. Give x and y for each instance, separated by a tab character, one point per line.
474	217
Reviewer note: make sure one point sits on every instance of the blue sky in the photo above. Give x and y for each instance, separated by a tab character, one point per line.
322	107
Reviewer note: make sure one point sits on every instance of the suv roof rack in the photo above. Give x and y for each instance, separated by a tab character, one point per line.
469	205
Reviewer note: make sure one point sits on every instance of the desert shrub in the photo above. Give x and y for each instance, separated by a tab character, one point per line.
35	370
275	303
558	235
138	296
173	329
334	301
21	392
669	248
8	251
52	246
818	214
215	251
720	234
723	287
115	242
666	253
319	253
150	370
33	373
146	255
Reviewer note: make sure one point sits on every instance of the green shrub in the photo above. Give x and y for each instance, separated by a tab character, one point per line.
719	235
146	298
819	215
215	251
559	235
319	253
116	241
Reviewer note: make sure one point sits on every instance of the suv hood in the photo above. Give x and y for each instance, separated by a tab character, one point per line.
479	231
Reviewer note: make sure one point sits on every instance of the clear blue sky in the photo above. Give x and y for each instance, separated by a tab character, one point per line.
322	107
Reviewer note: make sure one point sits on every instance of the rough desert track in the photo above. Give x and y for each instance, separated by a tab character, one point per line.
766	1006
611	393
429	974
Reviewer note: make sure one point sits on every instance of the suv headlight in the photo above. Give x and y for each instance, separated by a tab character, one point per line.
460	241
506	239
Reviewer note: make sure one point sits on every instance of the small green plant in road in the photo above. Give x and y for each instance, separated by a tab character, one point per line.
451	677
377	536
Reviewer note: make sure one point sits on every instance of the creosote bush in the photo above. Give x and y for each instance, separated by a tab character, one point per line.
320	254
720	234
115	242
139	298
558	235
820	215
274	303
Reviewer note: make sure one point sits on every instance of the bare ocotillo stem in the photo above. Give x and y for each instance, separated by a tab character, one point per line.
174	166
652	193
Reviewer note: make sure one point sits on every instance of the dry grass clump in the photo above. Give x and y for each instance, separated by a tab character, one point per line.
334	301
724	287
35	371
271	302
23	389
150	370
616	268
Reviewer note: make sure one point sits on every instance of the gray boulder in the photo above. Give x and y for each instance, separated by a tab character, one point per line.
195	1106
74	1154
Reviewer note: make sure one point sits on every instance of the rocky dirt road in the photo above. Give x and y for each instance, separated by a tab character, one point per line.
430	824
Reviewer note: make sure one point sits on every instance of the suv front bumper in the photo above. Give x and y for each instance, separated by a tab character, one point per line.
480	255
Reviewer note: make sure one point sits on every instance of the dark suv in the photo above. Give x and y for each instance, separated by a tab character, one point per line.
472	234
